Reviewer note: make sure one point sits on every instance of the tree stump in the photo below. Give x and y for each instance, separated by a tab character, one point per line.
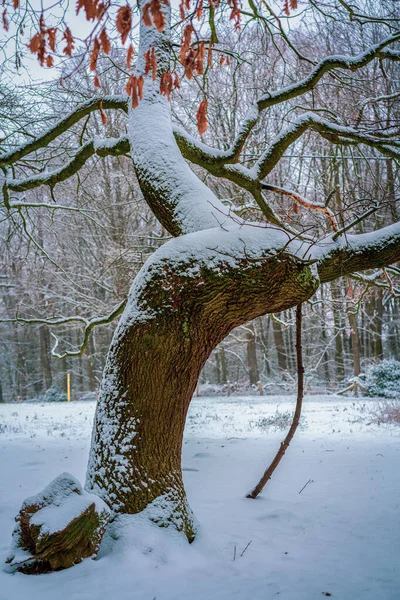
57	528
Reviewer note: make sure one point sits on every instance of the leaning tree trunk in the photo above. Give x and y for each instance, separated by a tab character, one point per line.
190	294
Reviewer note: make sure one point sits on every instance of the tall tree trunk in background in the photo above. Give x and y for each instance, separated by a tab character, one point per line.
391	190
355	343
290	343
354	337
378	322
279	345
324	337
264	330
394	330
252	364
89	352
45	349
337	307
224	369
217	367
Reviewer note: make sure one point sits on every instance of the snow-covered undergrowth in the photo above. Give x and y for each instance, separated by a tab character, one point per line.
339	536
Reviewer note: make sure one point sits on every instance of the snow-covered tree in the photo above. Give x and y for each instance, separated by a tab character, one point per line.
222	268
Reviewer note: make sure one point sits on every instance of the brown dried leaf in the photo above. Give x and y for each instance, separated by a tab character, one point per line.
5	20
102	114
201	117
70	42
51	36
105	41
94	54
129	56
124	22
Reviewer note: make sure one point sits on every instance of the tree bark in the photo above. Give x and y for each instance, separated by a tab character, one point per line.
280	345
186	299
44	336
252	355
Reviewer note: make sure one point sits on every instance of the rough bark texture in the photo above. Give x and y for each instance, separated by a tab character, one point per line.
174	319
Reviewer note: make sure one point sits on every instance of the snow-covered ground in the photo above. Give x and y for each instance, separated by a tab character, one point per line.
338	537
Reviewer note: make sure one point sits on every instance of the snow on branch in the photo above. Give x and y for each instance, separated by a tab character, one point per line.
352	253
337	134
110	146
326	65
106	102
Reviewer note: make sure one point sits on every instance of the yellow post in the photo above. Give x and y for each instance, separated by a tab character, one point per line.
69	387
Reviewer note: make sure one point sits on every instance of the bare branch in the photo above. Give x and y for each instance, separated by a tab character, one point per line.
300	200
337	134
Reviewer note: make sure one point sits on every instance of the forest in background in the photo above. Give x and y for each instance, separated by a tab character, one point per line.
80	262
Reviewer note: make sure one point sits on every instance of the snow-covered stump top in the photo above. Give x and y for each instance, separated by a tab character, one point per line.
57	528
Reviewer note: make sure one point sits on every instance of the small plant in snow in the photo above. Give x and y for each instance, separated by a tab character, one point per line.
384	380
387	412
280	420
55	394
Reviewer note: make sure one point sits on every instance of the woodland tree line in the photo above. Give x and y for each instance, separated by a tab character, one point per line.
81	262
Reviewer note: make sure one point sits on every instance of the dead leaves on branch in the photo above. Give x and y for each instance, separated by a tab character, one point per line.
195	54
94	9
134	89
124	22
153	14
289	5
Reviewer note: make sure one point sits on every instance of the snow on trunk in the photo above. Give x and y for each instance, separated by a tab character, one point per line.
179	199
189	295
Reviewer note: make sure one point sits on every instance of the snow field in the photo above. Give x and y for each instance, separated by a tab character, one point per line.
339	536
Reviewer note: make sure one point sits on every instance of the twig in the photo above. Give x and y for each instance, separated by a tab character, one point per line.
355	222
305	485
246	547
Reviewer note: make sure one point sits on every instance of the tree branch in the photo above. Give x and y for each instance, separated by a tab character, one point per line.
101	147
326	65
61	126
352	253
337	134
297	198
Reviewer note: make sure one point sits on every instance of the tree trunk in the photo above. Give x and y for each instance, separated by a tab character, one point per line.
179	309
224	369
338	329
355	343
44	336
280	345
252	355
